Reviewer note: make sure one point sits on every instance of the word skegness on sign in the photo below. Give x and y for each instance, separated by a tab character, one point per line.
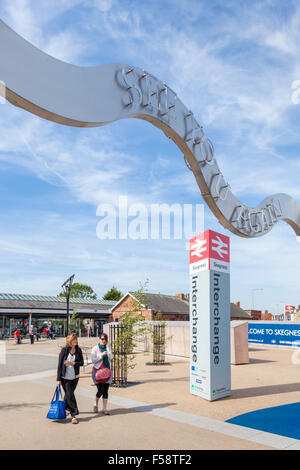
273	332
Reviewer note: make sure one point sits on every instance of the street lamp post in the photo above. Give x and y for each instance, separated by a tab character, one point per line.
253	296
282	302
67	287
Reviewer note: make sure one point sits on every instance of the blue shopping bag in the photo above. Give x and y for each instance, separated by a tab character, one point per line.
57	406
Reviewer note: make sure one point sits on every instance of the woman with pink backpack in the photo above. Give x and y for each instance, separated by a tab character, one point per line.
101	356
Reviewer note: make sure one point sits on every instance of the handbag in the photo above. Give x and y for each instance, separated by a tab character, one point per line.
57	406
103	374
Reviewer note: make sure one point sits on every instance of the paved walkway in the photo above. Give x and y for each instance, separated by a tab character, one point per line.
156	411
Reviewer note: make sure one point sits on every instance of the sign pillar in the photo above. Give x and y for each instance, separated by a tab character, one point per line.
289	310
210	316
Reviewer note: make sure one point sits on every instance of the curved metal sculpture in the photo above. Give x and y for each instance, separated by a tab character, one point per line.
95	96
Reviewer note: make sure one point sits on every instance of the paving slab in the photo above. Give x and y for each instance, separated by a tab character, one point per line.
24	426
156	410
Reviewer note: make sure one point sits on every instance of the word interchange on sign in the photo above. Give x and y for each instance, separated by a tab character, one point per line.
210	316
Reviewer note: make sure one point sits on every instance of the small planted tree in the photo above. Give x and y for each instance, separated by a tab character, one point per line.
158	334
125	337
76	323
129	332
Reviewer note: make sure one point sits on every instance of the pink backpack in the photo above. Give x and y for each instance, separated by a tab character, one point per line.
102	375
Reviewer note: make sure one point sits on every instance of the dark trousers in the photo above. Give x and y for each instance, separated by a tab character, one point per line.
102	389
69	389
31	339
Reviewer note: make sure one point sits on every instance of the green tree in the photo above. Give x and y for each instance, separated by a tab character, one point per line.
113	294
133	329
76	323
137	328
158	337
73	322
80	291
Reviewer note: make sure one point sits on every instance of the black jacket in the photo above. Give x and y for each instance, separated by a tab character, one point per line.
61	368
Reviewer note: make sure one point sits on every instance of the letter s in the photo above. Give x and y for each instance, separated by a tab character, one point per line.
131	86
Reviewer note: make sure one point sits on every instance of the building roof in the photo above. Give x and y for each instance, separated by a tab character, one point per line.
159	303
166	303
238	312
42	301
173	304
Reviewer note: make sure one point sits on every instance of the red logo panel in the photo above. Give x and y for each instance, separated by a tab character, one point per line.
290	308
209	244
219	246
199	247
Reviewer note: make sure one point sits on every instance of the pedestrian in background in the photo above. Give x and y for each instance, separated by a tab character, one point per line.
17	336
31	334
101	355
69	362
36	333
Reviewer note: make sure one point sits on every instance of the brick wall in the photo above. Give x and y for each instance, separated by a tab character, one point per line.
127	305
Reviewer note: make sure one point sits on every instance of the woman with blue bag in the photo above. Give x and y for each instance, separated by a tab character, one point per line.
69	363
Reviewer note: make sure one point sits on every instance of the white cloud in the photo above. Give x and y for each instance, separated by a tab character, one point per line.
20	17
66	45
270	262
30	19
103	5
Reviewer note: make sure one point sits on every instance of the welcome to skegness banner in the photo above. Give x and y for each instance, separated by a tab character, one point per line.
277	333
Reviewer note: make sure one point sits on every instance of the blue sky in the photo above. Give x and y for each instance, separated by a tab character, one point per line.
232	63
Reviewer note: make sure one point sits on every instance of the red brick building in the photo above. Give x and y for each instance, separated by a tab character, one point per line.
267	316
237	313
171	307
255	314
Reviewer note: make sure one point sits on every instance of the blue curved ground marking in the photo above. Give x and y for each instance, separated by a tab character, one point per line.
283	420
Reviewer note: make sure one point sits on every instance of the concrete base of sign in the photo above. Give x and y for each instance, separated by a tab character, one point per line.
239	342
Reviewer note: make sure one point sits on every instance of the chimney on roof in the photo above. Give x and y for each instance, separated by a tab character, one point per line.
238	303
181	296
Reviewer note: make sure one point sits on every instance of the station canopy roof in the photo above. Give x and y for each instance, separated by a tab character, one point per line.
44	298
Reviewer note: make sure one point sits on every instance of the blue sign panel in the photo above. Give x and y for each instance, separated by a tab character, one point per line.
277	333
